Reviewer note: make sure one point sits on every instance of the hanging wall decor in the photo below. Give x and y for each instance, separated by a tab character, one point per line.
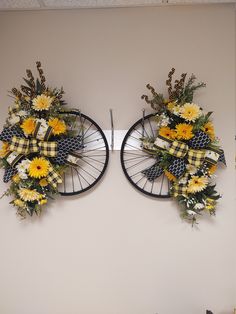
48	149
174	152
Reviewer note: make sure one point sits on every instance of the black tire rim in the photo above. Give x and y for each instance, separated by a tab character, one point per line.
93	161
139	159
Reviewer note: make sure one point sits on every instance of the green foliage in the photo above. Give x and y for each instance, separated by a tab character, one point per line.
201	121
24	98
193	190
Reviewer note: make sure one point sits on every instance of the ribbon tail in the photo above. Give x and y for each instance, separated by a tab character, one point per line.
68	147
9	173
53	177
177	167
153	172
222	157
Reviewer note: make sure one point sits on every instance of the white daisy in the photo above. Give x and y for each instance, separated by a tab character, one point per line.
21	113
23	166
199	206
13	119
191	212
22	175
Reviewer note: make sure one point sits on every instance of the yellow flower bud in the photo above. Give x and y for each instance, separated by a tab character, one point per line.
43	201
16	178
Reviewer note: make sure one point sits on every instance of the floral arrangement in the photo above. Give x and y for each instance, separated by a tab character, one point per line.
186	148
38	144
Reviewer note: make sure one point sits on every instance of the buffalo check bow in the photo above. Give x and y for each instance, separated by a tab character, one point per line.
24	146
20	147
195	157
183	155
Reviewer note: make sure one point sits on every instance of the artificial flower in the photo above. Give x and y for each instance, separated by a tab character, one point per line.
166	101
147	145
184	131
183	180
23	175
169	175
4	150
43	201
13	119
210	204
162	120
19	203
58	126
170	106
23	165
22	113
176	110
16	178
209	129
197	184
39	167
43	182
190	112
191	212
165	131
199	206
42	129
212	169
191	169
28	126
28	195
42	102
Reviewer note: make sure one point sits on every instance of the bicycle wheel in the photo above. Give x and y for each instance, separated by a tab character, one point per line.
135	161
92	158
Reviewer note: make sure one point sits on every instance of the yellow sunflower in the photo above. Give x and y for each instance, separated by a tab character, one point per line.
190	112
28	195
42	102
170	176
58	126
43	182
4	150
197	184
28	126
184	131
165	131
38	167
209	129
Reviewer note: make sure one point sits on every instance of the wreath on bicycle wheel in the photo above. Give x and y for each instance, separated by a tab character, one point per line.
38	144
185	147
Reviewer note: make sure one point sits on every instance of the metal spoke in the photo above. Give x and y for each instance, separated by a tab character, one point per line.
93	157
138	163
85	137
135	160
98	161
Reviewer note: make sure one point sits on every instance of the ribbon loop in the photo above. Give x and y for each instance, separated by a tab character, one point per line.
212	156
48	149
53	177
178	149
19	145
196	157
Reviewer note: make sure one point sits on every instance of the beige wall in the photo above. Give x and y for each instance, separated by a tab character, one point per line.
113	250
